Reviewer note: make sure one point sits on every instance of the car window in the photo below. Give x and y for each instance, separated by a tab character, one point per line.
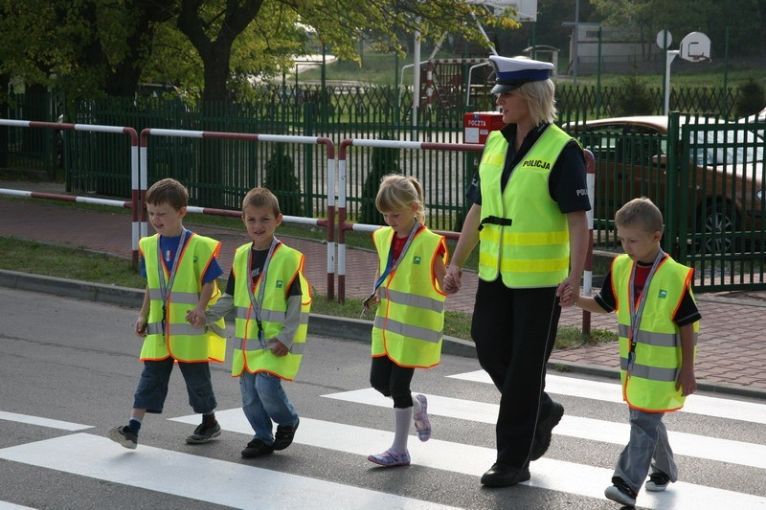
728	147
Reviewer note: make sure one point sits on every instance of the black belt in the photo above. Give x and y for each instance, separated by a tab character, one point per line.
494	220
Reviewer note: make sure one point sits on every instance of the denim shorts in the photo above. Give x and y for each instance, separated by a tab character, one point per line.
153	386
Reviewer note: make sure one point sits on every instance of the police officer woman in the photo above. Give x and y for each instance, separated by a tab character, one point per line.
529	216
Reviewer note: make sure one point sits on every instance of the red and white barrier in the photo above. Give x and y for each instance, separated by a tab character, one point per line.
134	171
328	223
587	276
389	144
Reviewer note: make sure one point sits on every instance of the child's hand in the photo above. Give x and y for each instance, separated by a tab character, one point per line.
452	280
141	326
686	381
278	348
567	293
196	317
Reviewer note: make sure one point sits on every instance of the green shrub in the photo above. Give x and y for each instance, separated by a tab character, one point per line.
281	180
751	99
632	97
384	161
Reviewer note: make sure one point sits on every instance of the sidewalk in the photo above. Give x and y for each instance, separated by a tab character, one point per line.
731	348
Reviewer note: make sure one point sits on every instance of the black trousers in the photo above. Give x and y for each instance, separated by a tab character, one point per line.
392	380
514	331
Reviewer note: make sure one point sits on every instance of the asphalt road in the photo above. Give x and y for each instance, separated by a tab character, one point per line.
75	362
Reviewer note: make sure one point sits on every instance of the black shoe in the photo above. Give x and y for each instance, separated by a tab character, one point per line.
658	482
284	435
124	436
257	448
500	475
544	431
620	492
204	433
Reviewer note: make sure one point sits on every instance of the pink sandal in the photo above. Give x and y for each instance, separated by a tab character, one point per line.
390	458
422	424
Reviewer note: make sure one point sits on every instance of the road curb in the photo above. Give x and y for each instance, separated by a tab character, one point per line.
321	325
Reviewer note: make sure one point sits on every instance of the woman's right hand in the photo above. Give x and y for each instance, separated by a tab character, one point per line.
453	279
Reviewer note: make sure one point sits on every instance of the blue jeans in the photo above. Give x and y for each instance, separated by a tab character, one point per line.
153	386
265	403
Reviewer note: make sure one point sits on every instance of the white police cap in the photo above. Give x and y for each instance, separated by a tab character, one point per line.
511	73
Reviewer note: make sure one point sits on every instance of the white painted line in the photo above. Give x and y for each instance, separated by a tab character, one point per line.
43	422
200	478
5	505
692	445
610	392
560	476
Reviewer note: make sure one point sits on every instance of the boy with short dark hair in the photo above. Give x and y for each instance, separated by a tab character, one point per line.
272	300
180	269
658	324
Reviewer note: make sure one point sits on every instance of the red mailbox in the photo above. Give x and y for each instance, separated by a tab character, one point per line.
477	126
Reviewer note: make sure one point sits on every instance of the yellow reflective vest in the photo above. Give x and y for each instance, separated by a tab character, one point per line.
524	236
171	336
252	355
410	316
650	383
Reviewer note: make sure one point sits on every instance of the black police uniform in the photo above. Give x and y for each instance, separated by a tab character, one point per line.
514	329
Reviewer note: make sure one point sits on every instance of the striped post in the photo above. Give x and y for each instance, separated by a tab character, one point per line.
343	226
328	223
134	169
587	279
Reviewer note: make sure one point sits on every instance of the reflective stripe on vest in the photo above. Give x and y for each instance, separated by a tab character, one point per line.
524	236
649	338
250	354
410	316
168	333
649	384
187	298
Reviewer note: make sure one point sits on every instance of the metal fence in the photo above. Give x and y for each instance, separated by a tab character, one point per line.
707	176
715	226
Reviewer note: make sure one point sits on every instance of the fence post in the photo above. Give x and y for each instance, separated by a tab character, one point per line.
672	168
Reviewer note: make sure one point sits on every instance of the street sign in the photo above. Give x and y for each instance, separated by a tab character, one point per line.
695	47
662	42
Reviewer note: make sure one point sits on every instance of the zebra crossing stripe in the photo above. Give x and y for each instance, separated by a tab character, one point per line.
191	476
610	392
6	505
42	422
692	445
557	475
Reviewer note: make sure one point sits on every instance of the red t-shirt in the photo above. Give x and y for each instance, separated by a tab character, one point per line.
397	245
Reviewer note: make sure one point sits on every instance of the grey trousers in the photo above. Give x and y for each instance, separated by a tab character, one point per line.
648	442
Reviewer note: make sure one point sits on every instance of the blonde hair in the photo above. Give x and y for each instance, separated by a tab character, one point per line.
261	197
541	100
399	193
168	191
640	212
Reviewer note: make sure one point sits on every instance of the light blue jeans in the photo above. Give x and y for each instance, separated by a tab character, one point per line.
648	448
265	403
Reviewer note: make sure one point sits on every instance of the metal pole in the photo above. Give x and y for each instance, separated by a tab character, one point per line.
598	76
725	111
575	56
665	69
416	81
670	55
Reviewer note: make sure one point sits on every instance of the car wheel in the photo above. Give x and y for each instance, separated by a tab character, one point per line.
717	223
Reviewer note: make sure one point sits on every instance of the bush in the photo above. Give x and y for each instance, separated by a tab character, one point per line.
751	99
384	161
281	180
632	97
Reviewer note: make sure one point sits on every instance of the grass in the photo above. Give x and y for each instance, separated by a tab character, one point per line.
379	68
80	264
